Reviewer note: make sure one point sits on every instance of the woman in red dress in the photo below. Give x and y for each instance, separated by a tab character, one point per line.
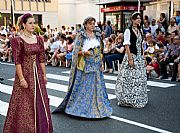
29	110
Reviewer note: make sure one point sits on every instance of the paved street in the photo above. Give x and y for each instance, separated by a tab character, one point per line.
162	114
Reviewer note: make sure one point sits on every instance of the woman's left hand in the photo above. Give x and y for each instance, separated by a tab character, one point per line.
45	80
102	68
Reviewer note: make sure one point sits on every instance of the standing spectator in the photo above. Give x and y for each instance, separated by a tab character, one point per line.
177	17
145	19
163	21
108	30
99	25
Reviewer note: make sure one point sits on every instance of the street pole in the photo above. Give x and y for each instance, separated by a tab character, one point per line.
12	12
139	5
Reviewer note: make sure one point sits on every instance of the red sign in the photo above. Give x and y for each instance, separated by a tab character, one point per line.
121	8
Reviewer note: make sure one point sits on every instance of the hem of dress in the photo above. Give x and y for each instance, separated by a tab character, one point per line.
129	105
83	116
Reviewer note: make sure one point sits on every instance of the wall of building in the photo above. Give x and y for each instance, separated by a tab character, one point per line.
48	10
72	12
154	9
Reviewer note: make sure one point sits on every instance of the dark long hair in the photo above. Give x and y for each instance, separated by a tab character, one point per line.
134	17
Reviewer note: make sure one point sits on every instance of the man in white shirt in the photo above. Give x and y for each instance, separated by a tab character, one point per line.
172	27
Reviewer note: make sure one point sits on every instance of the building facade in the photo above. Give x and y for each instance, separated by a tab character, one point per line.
169	7
73	12
44	11
119	11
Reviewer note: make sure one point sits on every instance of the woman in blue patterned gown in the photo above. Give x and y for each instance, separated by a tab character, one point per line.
131	85
87	96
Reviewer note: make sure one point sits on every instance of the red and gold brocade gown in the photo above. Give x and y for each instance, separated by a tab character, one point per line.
29	110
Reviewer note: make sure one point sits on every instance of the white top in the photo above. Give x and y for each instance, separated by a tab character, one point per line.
90	43
127	37
153	29
62	46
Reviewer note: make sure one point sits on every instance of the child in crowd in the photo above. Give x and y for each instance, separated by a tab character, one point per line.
153	69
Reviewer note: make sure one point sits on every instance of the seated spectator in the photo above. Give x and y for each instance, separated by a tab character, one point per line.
107	49
3	46
160	46
172	53
160	27
53	50
172	27
176	61
154	26
147	28
148	40
150	51
47	48
176	69
153	70
62	50
69	46
118	54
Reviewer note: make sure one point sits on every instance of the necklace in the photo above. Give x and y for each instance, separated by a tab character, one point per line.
90	35
136	30
29	36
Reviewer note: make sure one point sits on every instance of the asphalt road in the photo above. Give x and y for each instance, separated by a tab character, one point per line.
162	113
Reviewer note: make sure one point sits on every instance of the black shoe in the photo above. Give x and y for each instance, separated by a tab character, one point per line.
1	79
164	77
173	79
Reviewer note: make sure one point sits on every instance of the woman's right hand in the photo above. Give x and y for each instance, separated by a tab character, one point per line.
131	63
87	53
23	83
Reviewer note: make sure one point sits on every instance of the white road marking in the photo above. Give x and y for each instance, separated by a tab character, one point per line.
140	124
54	101
64	88
113	78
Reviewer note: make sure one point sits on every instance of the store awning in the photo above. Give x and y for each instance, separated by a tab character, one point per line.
104	2
121	8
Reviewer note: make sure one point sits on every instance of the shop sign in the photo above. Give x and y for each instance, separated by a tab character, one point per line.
121	8
108	1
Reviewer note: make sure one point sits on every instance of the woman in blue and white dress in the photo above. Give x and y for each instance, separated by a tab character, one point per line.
131	85
87	96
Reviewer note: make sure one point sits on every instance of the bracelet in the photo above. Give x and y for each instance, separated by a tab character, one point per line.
22	80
